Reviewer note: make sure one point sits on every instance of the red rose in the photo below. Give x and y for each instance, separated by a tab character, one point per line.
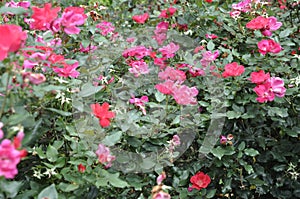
102	113
141	18
200	180
12	37
233	70
258	23
259	77
42	17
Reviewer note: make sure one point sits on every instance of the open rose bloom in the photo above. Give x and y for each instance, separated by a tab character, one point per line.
12	38
200	180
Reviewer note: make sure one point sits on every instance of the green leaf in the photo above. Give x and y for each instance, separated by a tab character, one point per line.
89	89
51	153
101	183
68	187
159	96
199	3
249	168
114	179
148	163
282	112
63	113
85	43
176	120
210	45
242	146
218	152
10	188
18	118
251	152
211	193
294	132
233	114
117	182
16	11
58	143
111	140
285	32
49	193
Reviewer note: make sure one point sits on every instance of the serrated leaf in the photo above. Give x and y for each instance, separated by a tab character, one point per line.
282	112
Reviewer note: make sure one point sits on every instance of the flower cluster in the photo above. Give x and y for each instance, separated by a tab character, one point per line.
45	18
265	24
105	28
173	85
174	142
48	59
226	140
267	87
241	7
160	32
158	190
167	13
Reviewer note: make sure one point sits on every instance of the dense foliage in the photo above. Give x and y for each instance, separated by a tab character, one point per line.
150	99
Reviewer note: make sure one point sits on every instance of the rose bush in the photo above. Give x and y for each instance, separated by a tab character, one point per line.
149	99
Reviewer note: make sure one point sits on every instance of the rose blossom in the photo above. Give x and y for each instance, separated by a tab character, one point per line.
42	17
268	45
233	70
200	180
141	18
167	13
12	38
71	18
104	155
259	77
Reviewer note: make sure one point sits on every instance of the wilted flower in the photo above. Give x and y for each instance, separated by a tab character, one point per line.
104	155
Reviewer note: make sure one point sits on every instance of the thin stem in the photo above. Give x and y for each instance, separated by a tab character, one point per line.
167	102
6	95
